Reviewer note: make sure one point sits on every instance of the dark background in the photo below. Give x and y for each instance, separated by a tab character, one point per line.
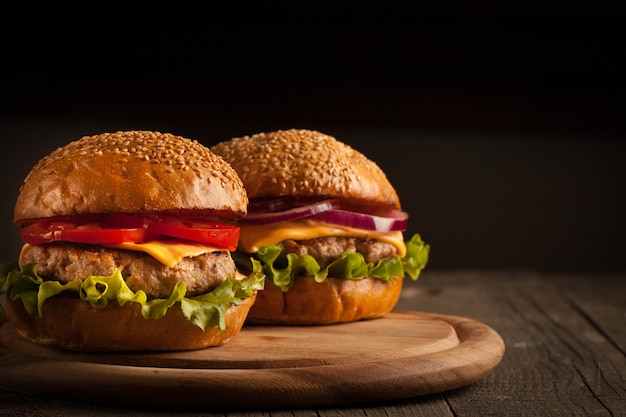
501	125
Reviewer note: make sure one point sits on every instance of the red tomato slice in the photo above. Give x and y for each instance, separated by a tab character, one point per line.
112	229
54	231
211	232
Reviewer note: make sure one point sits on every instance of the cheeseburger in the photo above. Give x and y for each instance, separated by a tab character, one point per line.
326	225
128	239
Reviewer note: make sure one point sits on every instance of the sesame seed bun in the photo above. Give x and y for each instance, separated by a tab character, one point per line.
130	172
305	163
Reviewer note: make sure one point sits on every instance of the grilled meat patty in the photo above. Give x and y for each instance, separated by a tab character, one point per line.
66	262
327	249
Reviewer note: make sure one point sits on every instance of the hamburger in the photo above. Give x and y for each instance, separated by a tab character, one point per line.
128	240
326	225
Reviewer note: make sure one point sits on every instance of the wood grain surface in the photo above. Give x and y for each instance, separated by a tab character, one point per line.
402	355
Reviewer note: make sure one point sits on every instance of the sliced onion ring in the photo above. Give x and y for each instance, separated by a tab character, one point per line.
291	214
276	204
364	221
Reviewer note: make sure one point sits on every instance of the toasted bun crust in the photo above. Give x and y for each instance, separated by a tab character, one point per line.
305	163
130	172
69	323
331	301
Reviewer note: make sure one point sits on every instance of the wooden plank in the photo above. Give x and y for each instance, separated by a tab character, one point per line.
601	299
563	341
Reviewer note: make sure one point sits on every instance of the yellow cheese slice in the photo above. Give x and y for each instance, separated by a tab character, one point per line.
24	247
251	237
168	253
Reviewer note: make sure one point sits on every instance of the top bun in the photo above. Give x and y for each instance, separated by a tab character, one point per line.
305	163
130	172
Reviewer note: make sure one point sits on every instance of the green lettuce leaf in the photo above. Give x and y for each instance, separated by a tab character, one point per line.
416	256
206	310
349	266
5	270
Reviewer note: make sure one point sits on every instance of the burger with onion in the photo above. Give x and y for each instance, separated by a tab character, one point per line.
326	225
128	240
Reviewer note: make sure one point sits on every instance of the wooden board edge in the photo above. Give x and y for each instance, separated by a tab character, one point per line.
479	352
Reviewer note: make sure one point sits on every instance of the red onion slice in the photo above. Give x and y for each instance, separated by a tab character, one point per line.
365	221
291	214
276	204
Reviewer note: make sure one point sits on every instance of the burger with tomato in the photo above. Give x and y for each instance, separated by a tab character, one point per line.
128	240
326	225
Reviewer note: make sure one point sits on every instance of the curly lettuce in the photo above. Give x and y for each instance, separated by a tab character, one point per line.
206	310
350	265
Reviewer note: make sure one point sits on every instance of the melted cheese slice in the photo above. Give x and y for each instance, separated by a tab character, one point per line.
168	254
251	237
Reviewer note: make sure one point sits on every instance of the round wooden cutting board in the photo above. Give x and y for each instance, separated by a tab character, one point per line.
402	355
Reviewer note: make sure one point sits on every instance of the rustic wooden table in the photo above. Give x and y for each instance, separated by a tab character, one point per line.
565	337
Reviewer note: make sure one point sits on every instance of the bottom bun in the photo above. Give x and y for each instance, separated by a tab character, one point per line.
333	300
69	323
